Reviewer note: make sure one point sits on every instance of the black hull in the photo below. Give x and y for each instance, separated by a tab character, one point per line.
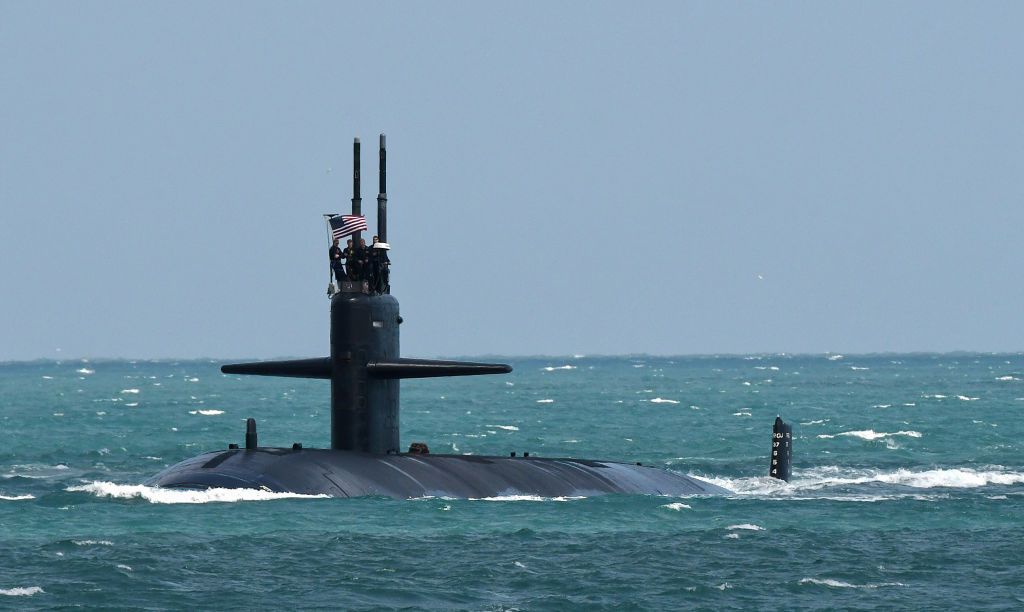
341	473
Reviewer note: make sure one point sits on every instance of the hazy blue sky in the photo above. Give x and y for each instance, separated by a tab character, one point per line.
564	178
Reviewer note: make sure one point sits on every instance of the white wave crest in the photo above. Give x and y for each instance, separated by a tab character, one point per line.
16	497
92	542
677	506
870	434
826	477
545	401
834	357
22	591
661	400
131	391
157	495
517	498
1007	378
965	398
206	412
564	367
747	526
85	371
839	584
505	427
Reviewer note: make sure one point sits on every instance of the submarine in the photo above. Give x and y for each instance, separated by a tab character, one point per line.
365	459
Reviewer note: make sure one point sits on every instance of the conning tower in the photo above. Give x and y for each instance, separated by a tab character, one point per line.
364	366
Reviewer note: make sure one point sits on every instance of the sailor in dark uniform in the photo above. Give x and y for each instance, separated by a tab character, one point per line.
363	255
379	263
335	254
351	261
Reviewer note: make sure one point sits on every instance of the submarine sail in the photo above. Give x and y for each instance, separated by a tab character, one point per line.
365	458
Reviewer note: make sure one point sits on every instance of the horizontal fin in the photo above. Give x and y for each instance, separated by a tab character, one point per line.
427	368
294	368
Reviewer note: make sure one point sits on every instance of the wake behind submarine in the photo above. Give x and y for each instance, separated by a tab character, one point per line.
365	459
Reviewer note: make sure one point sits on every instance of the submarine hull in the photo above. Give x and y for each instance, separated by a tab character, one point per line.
341	473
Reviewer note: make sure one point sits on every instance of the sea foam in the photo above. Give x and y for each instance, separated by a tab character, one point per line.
870	434
846	585
677	506
158	495
532	498
22	591
826	477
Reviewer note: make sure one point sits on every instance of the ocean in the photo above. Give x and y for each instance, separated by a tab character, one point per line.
907	489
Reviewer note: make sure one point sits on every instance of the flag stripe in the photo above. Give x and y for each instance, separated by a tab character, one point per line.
346	225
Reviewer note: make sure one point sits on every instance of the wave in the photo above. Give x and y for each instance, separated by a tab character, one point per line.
157	495
565	367
16	497
534	498
846	585
677	506
746	526
827	477
206	412
37	471
22	591
870	434
661	400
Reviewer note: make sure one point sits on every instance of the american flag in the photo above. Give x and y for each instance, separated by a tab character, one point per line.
346	225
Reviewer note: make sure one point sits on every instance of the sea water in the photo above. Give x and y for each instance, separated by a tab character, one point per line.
907	489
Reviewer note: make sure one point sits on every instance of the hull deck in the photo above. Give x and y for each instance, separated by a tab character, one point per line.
353	474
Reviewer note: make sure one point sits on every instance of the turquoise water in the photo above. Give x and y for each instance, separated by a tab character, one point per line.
908	489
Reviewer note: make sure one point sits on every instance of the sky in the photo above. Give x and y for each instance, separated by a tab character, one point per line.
563	178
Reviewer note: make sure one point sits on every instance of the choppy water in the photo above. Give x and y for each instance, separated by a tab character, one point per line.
908	489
